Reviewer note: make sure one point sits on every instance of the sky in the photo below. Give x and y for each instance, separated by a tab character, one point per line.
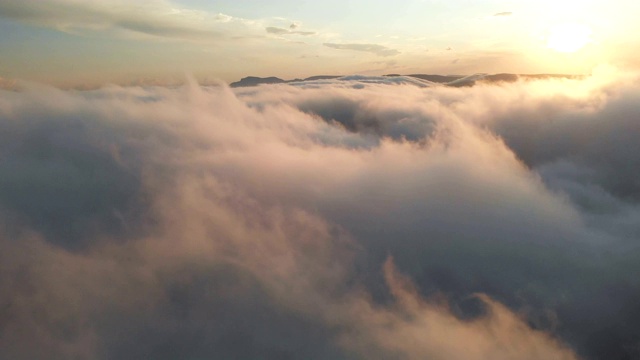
93	42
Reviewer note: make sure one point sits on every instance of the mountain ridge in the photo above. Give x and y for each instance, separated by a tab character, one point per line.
448	80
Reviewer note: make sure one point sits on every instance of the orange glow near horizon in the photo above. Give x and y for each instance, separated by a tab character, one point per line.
569	38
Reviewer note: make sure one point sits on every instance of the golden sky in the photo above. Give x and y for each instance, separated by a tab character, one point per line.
84	42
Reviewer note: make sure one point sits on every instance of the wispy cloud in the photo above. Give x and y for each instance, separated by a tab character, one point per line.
283	31
504	13
154	18
370	48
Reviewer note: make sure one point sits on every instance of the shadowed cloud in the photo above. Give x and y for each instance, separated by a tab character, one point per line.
336	218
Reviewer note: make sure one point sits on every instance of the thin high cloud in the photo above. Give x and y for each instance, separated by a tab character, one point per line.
376	49
151	20
282	31
334	219
155	19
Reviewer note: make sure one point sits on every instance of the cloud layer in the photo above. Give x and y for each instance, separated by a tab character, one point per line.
347	219
154	19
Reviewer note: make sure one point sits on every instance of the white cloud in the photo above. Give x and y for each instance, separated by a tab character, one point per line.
203	221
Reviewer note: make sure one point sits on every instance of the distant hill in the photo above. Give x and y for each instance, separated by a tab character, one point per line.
321	77
440	79
497	78
255	81
449	80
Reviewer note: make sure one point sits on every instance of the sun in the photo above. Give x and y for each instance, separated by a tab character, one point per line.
569	38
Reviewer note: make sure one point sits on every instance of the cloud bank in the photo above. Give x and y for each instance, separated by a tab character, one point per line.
346	219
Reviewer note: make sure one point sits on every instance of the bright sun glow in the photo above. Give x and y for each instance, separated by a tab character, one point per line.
568	38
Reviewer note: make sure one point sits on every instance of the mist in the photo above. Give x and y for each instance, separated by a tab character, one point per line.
354	218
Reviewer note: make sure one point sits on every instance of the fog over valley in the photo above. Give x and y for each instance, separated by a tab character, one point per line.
360	217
